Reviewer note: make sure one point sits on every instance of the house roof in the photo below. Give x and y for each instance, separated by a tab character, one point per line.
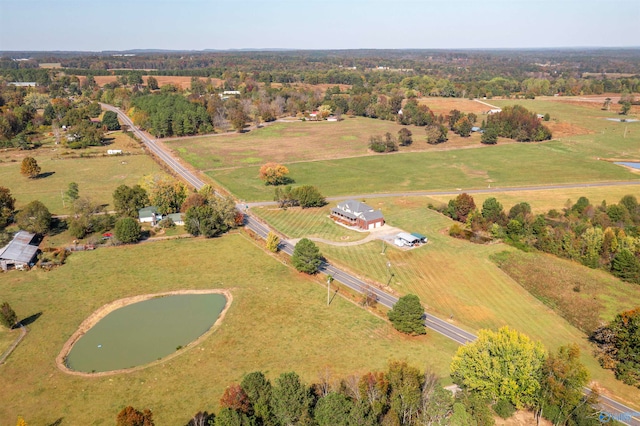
355	209
20	249
147	211
176	217
344	213
419	236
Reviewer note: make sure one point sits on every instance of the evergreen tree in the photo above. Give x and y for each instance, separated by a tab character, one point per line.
407	315
306	256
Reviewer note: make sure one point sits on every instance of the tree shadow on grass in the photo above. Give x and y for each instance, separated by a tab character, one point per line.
57	422
29	320
44	175
58	226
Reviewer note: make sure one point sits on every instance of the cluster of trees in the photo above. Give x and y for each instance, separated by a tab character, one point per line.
516	122
305	196
605	236
509	370
619	345
461	123
170	114
388	143
210	215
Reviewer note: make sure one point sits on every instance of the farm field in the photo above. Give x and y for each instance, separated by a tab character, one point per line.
183	82
445	105
455	277
571	158
290	142
96	177
297	223
278	322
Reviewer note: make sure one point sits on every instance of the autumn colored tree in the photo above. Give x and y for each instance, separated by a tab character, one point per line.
128	200
21	422
436	133
463	127
273	242
30	167
193	200
274	174
168	195
129	416
234	397
460	207
504	364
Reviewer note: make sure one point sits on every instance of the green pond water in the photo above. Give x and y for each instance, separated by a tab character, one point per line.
143	332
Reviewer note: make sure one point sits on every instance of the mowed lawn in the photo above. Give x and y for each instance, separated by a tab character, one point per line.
315	222
278	322
455	277
287	142
97	177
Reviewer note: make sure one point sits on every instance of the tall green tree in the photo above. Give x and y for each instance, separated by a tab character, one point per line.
128	200
493	211
7	206
110	120
8	317
333	410
290	400
72	193
127	230
35	217
306	256
407	315
504	364
258	388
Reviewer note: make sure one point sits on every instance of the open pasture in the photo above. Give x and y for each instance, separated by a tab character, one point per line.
183	82
96	177
300	141
278	322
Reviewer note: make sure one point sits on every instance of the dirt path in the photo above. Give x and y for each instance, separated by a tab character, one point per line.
103	311
14	345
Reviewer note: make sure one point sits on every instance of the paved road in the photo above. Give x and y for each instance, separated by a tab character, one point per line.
434	323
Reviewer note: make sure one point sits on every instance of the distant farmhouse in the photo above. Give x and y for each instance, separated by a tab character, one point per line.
355	213
20	252
23	83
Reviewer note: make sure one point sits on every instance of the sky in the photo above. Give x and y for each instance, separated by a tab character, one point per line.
96	25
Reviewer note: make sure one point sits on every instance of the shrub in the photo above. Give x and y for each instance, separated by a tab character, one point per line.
504	408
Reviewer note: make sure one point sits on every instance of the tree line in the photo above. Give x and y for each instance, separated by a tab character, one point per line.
604	236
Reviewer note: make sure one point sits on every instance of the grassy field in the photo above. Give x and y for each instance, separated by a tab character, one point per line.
572	158
587	298
455	277
300	141
543	201
278	322
298	223
7	337
96	177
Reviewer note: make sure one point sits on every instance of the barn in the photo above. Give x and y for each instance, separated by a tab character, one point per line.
20	252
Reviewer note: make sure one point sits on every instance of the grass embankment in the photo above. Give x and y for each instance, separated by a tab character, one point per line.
297	223
278	322
587	298
96	177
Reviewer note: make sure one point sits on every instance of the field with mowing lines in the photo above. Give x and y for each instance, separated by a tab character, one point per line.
455	277
297	223
96	177
301	141
278	322
587	298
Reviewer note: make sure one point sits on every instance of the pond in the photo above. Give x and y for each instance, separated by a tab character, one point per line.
633	165
143	332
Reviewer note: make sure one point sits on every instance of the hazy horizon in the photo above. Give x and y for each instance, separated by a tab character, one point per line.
196	25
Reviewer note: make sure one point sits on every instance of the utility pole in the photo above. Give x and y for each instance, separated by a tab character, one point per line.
389	272
329	280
